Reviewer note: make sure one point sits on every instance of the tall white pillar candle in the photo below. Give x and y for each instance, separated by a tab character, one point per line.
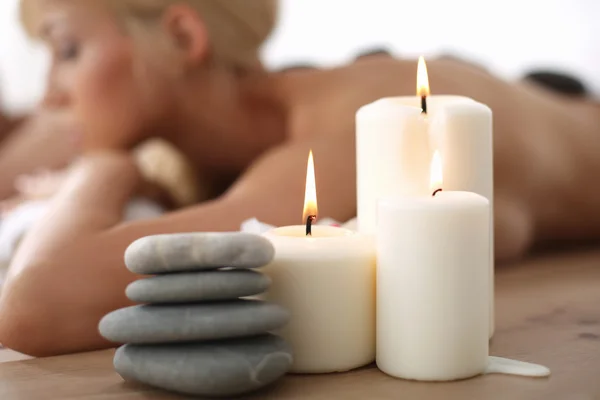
327	282
395	143
392	155
432	286
464	135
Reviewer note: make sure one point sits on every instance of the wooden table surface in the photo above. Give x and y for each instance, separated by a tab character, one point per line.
548	312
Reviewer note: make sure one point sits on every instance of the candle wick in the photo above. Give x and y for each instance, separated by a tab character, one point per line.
437	191
424	104
309	221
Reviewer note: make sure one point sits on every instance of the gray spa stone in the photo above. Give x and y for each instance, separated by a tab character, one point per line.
151	324
198	286
197	251
212	369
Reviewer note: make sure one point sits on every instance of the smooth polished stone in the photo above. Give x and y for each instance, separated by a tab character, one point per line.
198	286
211	369
186	252
149	324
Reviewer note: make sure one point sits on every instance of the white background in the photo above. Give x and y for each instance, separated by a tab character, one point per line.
509	36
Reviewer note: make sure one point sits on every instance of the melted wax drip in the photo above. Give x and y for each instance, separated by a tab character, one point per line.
498	365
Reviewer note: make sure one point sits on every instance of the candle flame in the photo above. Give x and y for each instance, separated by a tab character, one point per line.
437	174
422	79
310	196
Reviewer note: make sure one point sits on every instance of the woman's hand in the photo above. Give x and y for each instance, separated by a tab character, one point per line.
45	140
39	186
42	185
45	184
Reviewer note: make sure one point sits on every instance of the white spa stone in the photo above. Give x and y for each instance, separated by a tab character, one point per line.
198	287
197	251
213	369
154	324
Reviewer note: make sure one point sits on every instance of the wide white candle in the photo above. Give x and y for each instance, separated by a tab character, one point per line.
395	141
432	286
325	277
327	282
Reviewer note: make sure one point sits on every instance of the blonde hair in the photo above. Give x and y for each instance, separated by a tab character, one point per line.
236	28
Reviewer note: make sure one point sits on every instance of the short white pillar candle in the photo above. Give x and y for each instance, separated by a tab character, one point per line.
327	282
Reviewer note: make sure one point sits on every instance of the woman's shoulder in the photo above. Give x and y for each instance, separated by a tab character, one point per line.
325	101
362	80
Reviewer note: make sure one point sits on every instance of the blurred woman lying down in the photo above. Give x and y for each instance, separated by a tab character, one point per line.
188	72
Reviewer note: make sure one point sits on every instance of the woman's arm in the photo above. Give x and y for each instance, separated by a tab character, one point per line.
69	271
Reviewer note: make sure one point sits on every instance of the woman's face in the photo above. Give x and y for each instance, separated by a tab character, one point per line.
94	79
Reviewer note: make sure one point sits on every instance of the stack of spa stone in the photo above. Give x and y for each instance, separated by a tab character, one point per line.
195	333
